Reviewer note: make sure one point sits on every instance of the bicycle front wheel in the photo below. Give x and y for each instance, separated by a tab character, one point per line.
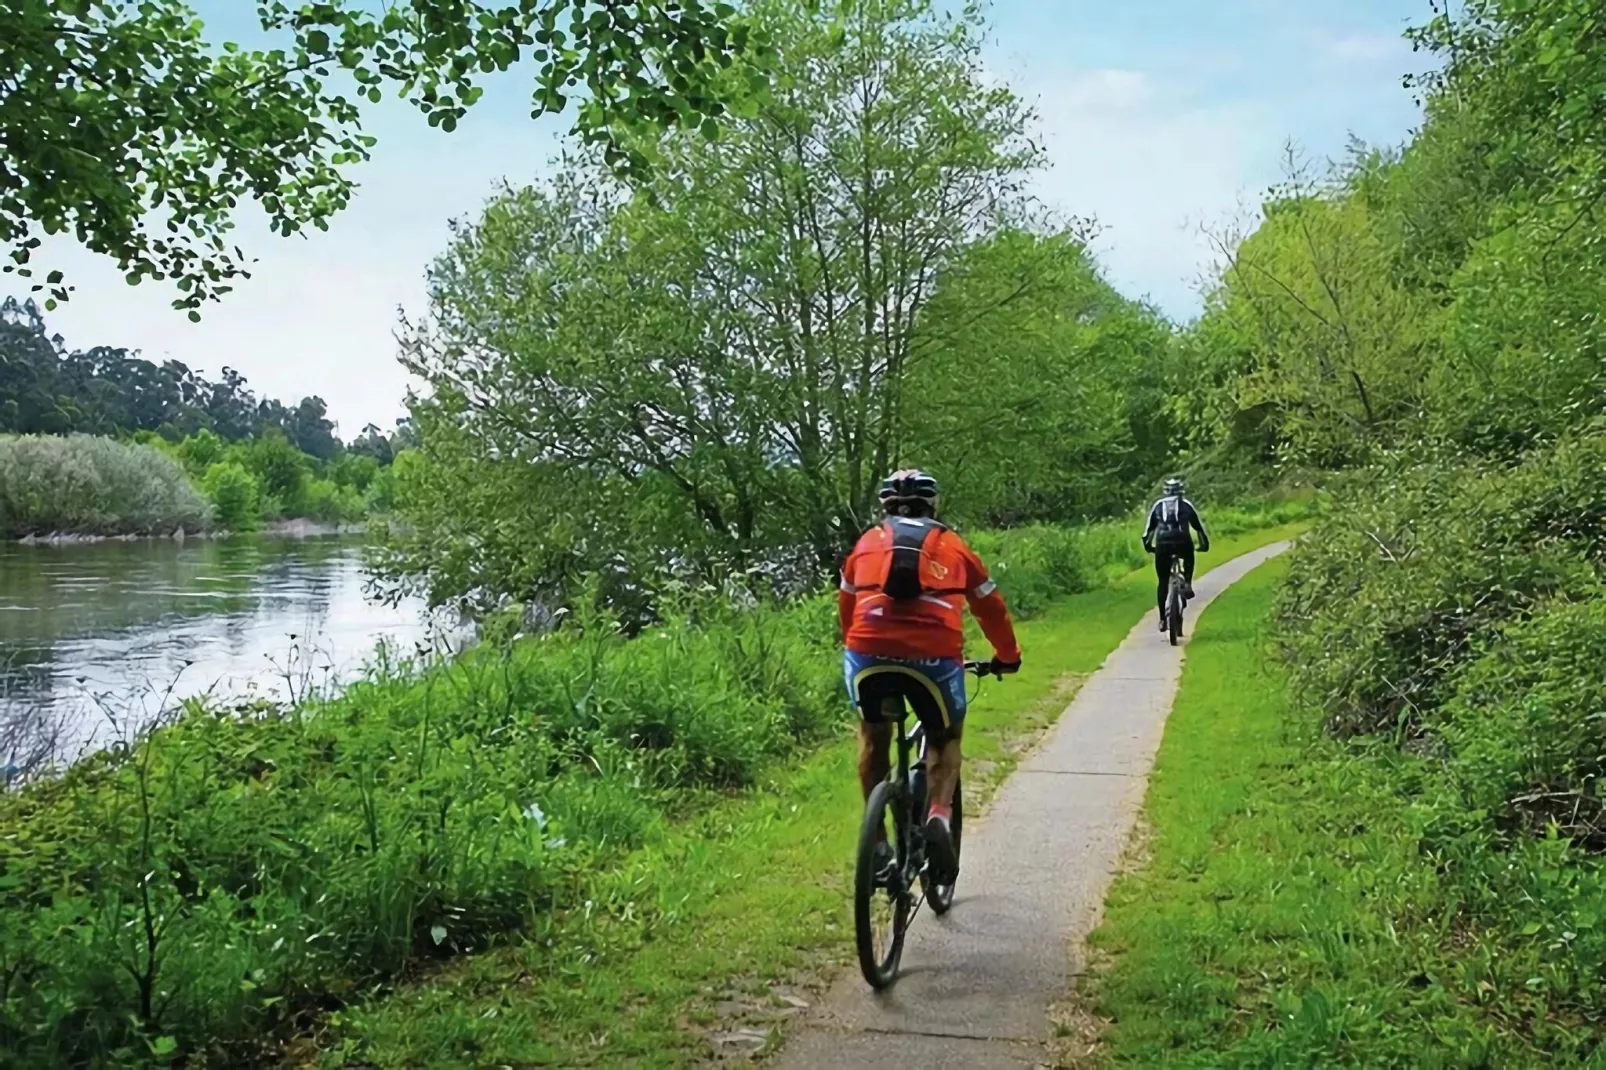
881	906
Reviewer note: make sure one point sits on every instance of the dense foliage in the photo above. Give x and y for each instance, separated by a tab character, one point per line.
710	371
267	478
256	459
122	124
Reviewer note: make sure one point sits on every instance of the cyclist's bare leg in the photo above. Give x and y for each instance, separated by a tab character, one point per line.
875	741
945	770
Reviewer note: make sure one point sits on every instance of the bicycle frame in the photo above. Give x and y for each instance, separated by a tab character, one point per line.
900	771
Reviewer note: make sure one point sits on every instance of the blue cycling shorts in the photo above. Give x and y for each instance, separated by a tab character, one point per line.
934	687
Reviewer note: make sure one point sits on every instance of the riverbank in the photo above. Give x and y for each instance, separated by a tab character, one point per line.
297	528
429	811
99	640
60	490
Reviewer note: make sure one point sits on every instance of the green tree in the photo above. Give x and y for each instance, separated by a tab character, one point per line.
1330	347
234	494
1040	392
722	358
121	124
281	471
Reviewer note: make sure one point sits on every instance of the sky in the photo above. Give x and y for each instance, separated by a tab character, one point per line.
1158	117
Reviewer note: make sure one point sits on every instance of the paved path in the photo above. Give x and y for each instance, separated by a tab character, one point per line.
975	987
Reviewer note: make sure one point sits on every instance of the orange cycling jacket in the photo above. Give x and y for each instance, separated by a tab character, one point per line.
928	626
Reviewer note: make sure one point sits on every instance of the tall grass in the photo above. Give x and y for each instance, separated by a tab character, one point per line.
87	485
233	871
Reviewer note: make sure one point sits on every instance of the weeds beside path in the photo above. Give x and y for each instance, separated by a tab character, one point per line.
715	935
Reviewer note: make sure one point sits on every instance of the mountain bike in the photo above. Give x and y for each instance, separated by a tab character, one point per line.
885	900
1176	597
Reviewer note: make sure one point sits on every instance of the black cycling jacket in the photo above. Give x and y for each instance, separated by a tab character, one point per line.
1184	514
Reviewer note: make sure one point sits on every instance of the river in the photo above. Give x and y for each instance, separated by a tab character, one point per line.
96	639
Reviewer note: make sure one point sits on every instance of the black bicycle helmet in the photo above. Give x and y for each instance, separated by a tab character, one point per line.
909	492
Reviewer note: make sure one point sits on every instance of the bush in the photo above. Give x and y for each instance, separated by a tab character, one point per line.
1036	564
93	486
326	501
1527	725
1405	584
280	470
234	495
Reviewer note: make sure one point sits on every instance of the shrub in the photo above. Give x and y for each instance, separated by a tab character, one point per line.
327	501
1036	564
234	495
201	450
1406	582
1527	725
280	470
94	486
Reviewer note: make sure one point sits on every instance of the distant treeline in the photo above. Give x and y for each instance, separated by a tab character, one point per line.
193	453
47	389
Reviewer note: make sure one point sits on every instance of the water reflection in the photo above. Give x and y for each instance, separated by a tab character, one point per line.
95	637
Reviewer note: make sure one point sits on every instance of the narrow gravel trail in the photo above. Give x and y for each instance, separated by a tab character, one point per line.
976	986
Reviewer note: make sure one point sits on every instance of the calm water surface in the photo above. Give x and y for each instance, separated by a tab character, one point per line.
99	638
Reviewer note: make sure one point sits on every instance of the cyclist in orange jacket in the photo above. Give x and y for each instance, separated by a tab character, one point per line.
901	611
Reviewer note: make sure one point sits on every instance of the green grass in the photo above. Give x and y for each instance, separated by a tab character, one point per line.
1289	911
696	930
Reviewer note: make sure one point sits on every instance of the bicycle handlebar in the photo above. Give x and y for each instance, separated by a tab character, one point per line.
985	668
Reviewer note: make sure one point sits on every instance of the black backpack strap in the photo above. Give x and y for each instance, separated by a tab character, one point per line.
909	535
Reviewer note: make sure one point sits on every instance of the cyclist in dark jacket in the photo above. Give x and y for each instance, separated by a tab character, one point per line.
1167	536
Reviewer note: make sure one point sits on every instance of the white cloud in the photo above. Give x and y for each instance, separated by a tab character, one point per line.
1150	170
1365	48
1107	89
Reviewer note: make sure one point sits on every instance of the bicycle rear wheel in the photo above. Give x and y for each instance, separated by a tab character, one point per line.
881	907
941	895
1173	612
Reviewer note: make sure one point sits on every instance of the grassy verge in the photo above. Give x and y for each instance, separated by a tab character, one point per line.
1298	905
703	930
